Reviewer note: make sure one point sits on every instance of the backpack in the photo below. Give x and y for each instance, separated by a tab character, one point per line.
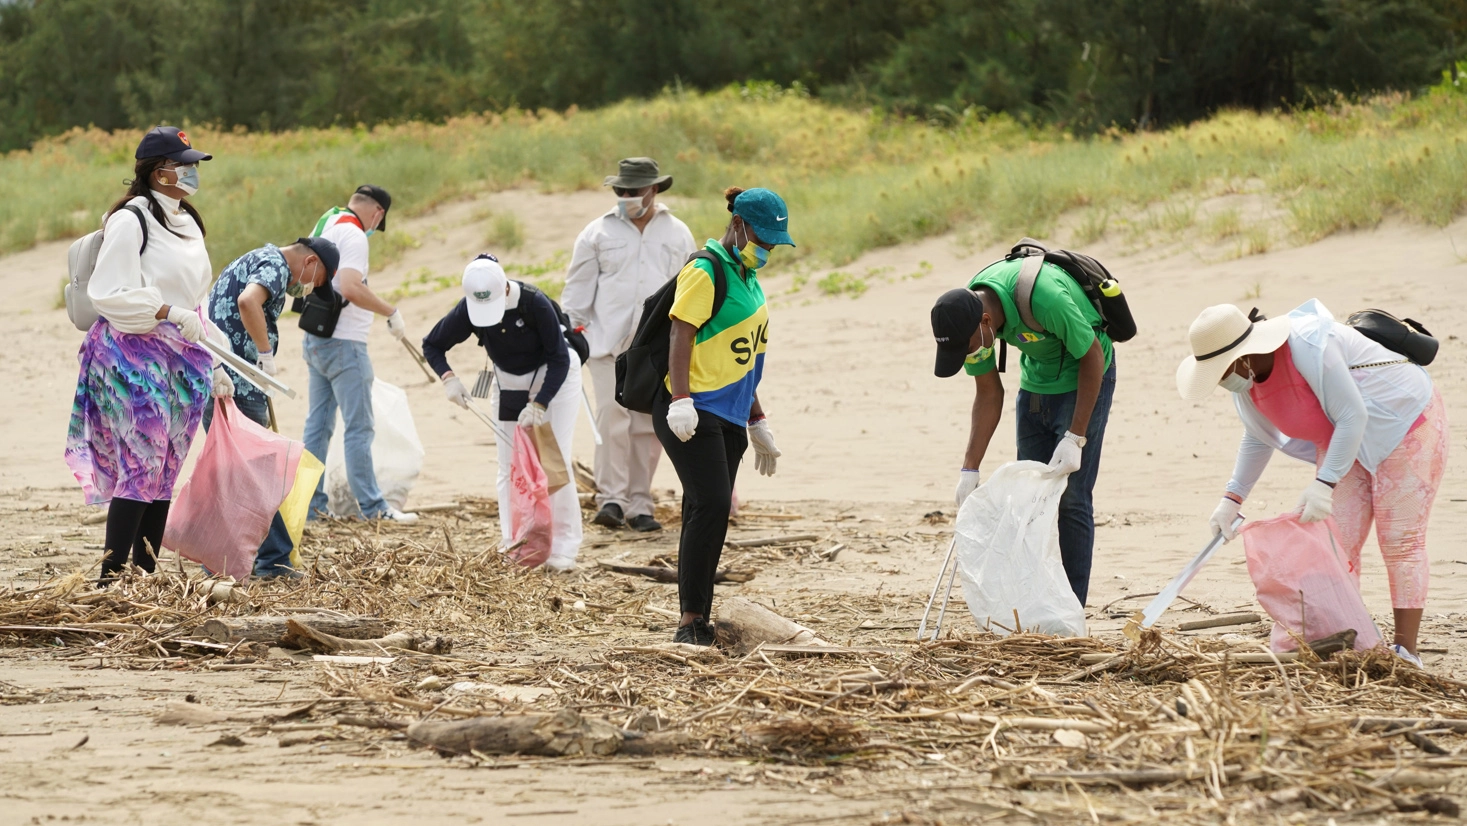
641	370
1399	335
1099	285
81	260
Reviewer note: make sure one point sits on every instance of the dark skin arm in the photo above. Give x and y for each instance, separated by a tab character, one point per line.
1092	367
987	410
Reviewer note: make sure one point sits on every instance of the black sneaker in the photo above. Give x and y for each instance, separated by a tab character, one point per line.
698	632
644	523
610	516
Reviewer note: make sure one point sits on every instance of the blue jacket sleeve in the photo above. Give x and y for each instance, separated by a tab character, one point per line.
557	354
453	329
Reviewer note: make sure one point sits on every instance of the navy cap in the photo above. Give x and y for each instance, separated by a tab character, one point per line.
955	316
325	250
172	143
766	213
379	195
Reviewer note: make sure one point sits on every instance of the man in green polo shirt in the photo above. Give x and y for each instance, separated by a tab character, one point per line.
1067	377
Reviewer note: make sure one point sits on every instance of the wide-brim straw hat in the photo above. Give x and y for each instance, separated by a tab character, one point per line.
1220	336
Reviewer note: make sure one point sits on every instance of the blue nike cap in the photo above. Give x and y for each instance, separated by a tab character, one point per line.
766	213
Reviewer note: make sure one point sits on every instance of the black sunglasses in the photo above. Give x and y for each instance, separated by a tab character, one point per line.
623	192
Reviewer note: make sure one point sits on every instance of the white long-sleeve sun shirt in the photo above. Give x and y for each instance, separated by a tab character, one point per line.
1372	408
128	289
614	268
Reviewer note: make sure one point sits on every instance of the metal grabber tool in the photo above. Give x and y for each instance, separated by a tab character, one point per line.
947	562
473	408
1146	618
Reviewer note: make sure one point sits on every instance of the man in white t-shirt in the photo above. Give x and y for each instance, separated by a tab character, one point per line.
340	371
620	259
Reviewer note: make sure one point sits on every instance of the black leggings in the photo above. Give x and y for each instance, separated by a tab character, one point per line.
707	465
137	527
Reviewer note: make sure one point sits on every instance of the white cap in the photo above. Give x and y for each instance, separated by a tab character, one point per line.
485	289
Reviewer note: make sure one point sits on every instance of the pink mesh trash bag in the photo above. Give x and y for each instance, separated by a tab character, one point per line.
222	513
529	501
1304	582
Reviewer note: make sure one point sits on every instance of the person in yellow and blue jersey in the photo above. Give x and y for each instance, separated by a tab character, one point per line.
711	413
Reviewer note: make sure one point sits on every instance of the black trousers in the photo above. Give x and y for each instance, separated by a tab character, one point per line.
707	466
135	527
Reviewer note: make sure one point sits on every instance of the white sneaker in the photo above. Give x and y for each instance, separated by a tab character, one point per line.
561	563
1400	651
394	515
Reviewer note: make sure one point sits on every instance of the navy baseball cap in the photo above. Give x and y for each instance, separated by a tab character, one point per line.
955	316
383	200
766	213
172	143
325	250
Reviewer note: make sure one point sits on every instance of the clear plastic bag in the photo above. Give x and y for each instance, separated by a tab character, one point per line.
1304	582
397	454
221	514
1009	558
531	524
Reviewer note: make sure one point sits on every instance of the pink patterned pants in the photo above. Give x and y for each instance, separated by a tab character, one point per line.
1398	499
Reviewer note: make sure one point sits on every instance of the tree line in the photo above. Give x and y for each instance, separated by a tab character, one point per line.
1081	64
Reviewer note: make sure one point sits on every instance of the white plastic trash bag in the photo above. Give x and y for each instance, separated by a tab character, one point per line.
1009	558
397	454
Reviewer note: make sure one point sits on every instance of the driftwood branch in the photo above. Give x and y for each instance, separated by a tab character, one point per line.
1221	621
662	573
562	734
274	629
304	636
744	625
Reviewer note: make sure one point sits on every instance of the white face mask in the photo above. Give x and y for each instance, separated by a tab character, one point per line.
1236	382
632	208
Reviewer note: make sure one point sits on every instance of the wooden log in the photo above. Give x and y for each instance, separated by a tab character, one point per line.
662	573
773	540
1220	621
562	734
743	625
273	628
301	635
437	507
1020	723
822	650
222	592
1422	723
95	518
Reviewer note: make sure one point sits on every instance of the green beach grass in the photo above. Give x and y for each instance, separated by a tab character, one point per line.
853	180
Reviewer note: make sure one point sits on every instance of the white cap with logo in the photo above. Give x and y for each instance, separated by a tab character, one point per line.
485	289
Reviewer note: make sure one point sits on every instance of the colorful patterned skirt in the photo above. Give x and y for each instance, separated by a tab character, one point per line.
138	402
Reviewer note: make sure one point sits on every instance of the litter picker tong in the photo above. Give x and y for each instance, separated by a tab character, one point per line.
1148	617
267	383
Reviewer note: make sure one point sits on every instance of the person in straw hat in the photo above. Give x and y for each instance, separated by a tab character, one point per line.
1369	420
619	260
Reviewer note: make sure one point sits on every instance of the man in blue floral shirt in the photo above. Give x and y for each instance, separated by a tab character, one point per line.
246	303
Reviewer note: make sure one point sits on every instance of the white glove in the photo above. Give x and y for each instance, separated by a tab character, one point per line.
188	322
1222	519
967	483
397	326
1316	503
266	361
223	384
454	390
764	450
1066	459
682	419
533	415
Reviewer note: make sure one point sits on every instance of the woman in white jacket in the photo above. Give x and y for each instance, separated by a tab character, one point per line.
145	379
1369	419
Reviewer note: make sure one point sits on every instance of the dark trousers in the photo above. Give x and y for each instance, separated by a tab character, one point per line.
274	554
707	465
137	527
1042	422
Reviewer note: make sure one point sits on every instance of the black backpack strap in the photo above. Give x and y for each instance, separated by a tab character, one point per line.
142	220
720	279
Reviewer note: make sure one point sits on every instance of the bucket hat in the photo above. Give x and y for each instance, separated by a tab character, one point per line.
1220	336
635	173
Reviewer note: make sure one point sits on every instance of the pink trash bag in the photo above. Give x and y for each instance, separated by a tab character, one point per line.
1304	582
529	502
222	513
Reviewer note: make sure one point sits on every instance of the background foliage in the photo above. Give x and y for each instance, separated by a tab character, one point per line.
1083	65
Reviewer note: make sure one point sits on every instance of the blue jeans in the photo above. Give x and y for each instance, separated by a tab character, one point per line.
273	557
1042	422
341	377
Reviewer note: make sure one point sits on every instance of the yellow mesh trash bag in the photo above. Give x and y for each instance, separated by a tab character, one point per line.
297	503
